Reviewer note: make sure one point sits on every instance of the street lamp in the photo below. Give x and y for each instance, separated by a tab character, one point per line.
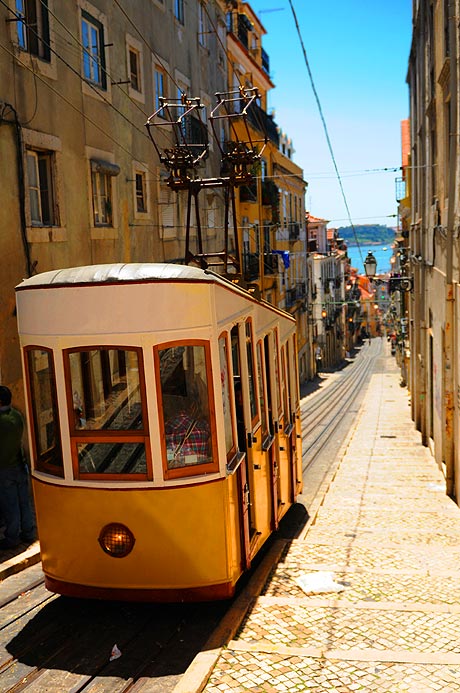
370	265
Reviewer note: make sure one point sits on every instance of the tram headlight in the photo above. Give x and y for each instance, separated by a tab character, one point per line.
116	540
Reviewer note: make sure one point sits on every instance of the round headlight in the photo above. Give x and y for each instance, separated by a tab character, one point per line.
116	540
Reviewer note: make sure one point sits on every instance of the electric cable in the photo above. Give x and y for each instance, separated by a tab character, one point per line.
325	128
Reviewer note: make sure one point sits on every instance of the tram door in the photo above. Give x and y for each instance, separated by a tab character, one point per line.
289	428
246	519
272	452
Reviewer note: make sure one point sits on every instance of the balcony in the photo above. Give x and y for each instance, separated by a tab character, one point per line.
294	230
265	62
251	269
264	123
270	263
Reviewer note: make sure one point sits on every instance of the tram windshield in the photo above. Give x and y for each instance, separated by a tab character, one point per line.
106	410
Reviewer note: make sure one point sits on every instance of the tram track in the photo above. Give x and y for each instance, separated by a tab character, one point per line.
325	410
63	645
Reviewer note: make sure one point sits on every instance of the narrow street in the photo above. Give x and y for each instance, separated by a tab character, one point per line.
381	549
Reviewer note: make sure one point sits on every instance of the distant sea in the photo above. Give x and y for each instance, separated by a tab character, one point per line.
382	256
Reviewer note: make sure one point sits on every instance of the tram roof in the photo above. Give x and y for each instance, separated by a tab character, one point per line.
140	272
122	273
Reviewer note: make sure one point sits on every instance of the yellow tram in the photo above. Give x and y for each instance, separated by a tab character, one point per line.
164	428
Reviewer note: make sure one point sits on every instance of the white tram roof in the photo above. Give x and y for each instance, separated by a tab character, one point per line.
129	308
122	272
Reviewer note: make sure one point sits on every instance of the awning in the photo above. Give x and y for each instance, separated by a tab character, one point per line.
102	166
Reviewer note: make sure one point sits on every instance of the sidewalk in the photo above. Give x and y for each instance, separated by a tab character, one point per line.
390	538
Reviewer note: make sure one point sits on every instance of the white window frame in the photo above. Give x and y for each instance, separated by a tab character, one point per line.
41	186
26	34
90	87
45	66
160	67
179	11
102	231
142	170
37	232
135	46
202	25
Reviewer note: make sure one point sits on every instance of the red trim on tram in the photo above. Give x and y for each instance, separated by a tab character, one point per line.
190	594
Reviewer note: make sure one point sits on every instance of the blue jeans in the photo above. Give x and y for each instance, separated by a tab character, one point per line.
15	504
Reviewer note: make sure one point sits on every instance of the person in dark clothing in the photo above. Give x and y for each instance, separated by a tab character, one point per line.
15	503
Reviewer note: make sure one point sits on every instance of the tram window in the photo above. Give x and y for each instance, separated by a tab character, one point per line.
277	374
111	458
295	361
225	382
105	389
284	393
107	421
186	396
251	372
262	397
43	403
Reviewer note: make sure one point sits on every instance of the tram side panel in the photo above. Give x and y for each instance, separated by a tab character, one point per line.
180	537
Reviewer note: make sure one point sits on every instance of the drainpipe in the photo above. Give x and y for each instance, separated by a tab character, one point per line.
451	217
6	108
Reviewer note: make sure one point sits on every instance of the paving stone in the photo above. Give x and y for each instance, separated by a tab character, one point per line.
346	627
318	675
391	537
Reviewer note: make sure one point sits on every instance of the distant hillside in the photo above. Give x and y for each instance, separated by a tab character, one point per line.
367	235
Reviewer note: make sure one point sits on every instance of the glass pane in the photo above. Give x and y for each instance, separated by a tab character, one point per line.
224	381
95	52
263	411
184	388
21	27
105	390
44	411
134	69
252	384
34	200
32	170
277	374
111	458
86	56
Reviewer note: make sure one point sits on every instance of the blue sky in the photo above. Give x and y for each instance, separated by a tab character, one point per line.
358	53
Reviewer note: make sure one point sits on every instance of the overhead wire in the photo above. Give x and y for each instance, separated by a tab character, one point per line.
325	128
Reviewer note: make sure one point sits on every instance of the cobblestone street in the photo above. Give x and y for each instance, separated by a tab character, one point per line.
390	537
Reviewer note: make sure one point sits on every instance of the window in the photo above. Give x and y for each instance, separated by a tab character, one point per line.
134	69
187	403
102	173
141	192
107	420
226	401
46	439
102	199
160	85
251	372
40	183
92	33
33	28
202	31
179	11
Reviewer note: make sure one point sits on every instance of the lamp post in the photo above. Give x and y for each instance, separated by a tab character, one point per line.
370	265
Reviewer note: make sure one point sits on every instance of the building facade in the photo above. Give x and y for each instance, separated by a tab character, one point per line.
433	254
81	181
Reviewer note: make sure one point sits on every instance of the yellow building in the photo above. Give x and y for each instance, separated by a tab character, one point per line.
271	210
